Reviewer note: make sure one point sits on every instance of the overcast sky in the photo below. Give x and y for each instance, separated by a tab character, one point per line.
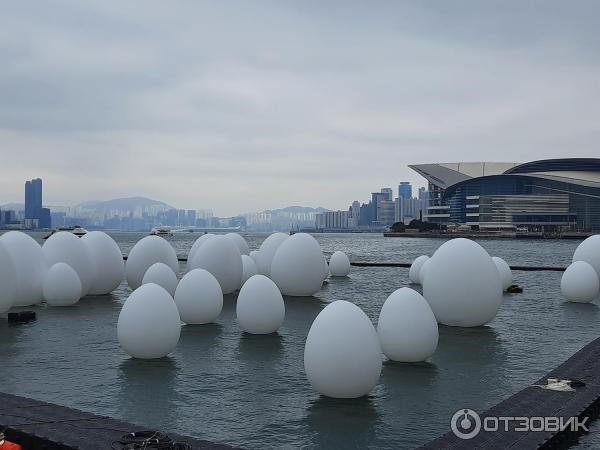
249	105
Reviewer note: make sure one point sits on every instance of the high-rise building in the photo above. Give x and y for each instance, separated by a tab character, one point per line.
388	192
35	217
404	190
423	194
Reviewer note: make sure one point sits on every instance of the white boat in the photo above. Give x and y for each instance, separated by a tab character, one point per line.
161	231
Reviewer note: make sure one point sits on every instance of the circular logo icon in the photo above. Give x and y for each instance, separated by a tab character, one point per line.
465	424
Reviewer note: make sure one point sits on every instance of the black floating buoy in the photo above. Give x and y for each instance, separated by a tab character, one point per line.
514	289
21	317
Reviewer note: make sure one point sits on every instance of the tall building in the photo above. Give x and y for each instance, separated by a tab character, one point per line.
35	215
404	190
388	192
423	194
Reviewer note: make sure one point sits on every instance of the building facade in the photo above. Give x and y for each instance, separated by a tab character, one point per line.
405	190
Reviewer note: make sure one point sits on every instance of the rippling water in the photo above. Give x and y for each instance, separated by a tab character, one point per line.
230	387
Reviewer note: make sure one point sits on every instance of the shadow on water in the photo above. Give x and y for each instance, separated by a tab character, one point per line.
260	349
476	346
576	312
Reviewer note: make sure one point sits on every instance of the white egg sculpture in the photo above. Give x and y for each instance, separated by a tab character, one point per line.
240	243
580	283
248	268
197	244
342	354
462	284
198	297
30	265
8	280
62	286
109	266
339	264
407	328
589	251
148	251
260	308
221	257
297	267
422	271
254	256
161	274
267	252
67	248
504	270
415	269
149	325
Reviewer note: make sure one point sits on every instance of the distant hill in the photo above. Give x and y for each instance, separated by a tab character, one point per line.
299	209
13	206
122	204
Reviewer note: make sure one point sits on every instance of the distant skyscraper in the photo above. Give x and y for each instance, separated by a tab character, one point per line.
423	194
388	192
405	190
35	216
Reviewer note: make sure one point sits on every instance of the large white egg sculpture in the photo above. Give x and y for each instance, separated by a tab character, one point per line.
504	270
149	325
423	271
462	284
580	283
197	244
62	286
30	264
248	268
109	266
145	252
297	267
221	257
339	264
260	308
267	252
415	269
67	248
240	242
161	274
198	297
342	354
589	251
8	280
407	328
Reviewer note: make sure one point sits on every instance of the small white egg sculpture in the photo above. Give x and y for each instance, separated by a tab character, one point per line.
240	242
407	328
8	280
248	268
415	268
504	270
161	274
339	264
198	297
580	283
197	244
109	266
589	251
30	264
423	271
149	325
267	252
462	284
342	354
297	267
254	256
62	286
260	308
67	248
145	252
221	257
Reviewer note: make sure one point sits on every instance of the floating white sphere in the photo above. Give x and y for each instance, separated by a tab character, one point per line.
30	265
462	284
342	355
197	244
198	297
62	286
221	257
422	271
260	308
240	243
267	252
149	325
589	251
161	274
145	252
407	328
297	267
415	269
580	282
108	262
254	256
339	264
248	268
67	248
504	270
8	280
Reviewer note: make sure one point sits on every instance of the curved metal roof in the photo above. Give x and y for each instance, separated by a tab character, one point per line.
558	165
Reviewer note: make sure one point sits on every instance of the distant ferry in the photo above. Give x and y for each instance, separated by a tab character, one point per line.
76	230
161	231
